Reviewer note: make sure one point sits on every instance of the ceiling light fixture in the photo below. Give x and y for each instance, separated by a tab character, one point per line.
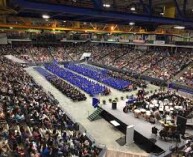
131	23
106	5
132	8
45	16
64	21
179	27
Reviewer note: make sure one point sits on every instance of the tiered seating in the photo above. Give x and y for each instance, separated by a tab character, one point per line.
58	53
31	123
27	53
69	52
98	51
171	65
41	54
145	62
186	77
67	89
24	53
113	52
90	87
98	75
6	50
128	59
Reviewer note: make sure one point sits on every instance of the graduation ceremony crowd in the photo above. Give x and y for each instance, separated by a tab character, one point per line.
157	62
32	123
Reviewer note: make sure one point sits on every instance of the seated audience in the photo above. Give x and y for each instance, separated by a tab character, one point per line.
34	125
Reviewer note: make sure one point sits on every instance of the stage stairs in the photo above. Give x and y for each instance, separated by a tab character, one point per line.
96	114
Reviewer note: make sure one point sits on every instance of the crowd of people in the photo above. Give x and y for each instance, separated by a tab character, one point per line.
32	123
67	89
163	107
68	52
146	61
40	54
114	52
170	65
89	86
161	63
27	53
134	82
186	77
99	75
9	49
187	150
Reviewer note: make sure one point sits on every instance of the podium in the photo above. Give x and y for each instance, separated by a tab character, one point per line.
129	134
114	105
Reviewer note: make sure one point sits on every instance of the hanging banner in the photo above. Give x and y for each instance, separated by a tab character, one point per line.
159	42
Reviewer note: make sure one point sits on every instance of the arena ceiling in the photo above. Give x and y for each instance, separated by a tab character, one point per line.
147	14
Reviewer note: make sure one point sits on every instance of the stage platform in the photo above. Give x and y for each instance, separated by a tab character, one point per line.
140	125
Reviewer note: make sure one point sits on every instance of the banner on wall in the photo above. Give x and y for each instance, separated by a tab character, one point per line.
159	42
139	41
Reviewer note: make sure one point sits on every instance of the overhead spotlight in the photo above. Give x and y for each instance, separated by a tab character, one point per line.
64	21
45	16
132	8
162	13
131	23
106	5
179	27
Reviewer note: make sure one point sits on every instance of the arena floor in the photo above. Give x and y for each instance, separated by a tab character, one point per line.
101	130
